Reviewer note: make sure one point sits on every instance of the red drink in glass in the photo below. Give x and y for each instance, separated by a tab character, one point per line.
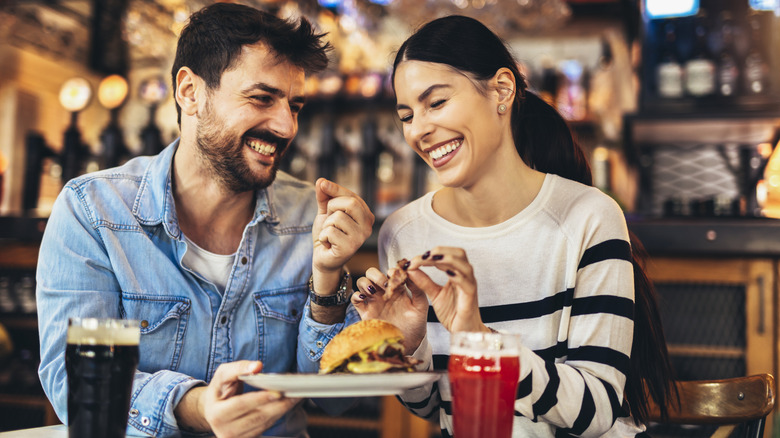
484	385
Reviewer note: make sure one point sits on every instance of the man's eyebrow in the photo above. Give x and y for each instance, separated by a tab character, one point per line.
262	86
424	95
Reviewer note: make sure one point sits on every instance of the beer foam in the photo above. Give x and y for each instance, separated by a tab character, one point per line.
103	332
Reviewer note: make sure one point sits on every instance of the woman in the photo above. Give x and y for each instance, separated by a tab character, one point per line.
519	240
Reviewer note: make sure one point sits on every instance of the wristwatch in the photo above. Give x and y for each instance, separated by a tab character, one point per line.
341	296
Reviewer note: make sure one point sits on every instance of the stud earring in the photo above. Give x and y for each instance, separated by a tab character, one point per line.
501	109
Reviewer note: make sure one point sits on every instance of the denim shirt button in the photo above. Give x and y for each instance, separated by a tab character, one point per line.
244	260
312	353
319	344
144	324
146	421
133	413
223	320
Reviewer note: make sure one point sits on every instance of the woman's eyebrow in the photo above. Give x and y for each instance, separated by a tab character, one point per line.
424	95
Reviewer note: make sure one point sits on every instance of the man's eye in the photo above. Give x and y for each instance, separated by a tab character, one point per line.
295	109
265	100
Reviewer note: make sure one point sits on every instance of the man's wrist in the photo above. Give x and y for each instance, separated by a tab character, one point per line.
332	296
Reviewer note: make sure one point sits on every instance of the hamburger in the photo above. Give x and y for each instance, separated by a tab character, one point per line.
368	346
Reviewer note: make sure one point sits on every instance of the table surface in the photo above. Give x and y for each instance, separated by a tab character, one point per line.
58	431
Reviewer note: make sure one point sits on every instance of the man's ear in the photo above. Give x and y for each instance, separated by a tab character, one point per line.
505	85
187	85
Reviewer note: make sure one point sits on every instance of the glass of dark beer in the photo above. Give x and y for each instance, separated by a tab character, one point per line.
101	358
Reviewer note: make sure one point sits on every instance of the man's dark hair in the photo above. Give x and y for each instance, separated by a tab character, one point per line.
212	41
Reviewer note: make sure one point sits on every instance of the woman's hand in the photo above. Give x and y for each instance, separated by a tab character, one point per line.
456	304
375	300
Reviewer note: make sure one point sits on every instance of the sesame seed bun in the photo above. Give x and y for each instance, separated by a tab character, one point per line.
356	338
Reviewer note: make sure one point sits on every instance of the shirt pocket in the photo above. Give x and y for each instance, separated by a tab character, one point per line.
163	325
278	314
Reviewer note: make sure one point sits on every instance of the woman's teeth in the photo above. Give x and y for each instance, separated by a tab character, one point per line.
445	149
263	148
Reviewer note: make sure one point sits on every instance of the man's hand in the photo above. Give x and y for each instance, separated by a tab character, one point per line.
343	223
222	409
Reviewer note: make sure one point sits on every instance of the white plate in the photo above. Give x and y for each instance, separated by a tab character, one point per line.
340	385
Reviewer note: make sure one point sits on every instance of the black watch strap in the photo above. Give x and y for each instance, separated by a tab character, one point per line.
341	296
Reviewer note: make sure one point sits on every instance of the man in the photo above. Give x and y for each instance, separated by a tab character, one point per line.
206	245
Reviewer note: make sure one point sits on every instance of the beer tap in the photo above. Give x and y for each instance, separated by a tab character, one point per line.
111	94
152	91
75	95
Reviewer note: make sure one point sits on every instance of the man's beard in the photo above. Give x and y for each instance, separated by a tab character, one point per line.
225	153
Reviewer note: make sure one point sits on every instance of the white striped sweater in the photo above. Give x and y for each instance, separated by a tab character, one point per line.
558	274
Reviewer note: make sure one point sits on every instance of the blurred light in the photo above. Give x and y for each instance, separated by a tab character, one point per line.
153	90
112	91
75	94
671	8
764	149
381	2
329	3
763	5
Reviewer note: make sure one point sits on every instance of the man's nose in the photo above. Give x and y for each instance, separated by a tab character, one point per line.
283	122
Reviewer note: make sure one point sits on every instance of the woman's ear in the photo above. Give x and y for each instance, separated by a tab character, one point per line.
505	85
187	83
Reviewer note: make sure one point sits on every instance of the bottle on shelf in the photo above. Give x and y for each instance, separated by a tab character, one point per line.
669	72
728	67
756	69
699	69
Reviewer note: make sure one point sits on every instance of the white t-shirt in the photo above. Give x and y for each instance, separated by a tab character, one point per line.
215	268
559	274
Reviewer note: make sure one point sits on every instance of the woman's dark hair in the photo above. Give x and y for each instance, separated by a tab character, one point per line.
211	41
545	142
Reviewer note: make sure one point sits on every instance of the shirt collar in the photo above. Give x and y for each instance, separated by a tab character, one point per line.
154	202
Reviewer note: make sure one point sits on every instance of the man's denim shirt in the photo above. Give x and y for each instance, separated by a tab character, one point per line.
112	248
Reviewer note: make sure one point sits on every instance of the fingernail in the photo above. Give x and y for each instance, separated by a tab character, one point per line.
450	273
274	395
384	285
362	296
437	257
426	255
371	289
406	266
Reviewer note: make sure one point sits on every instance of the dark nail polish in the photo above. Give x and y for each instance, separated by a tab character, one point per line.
437	257
371	289
362	297
406	265
384	285
450	273
426	255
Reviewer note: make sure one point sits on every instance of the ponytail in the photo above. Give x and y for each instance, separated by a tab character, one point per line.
545	142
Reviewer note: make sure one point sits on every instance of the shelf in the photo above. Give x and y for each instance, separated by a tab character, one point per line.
706	351
709	237
700	128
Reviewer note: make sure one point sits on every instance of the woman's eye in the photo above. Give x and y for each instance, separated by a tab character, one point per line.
438	103
405	118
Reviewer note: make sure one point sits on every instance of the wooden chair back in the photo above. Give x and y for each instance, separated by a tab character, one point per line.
726	402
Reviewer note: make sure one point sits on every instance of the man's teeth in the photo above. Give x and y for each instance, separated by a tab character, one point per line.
263	148
445	149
